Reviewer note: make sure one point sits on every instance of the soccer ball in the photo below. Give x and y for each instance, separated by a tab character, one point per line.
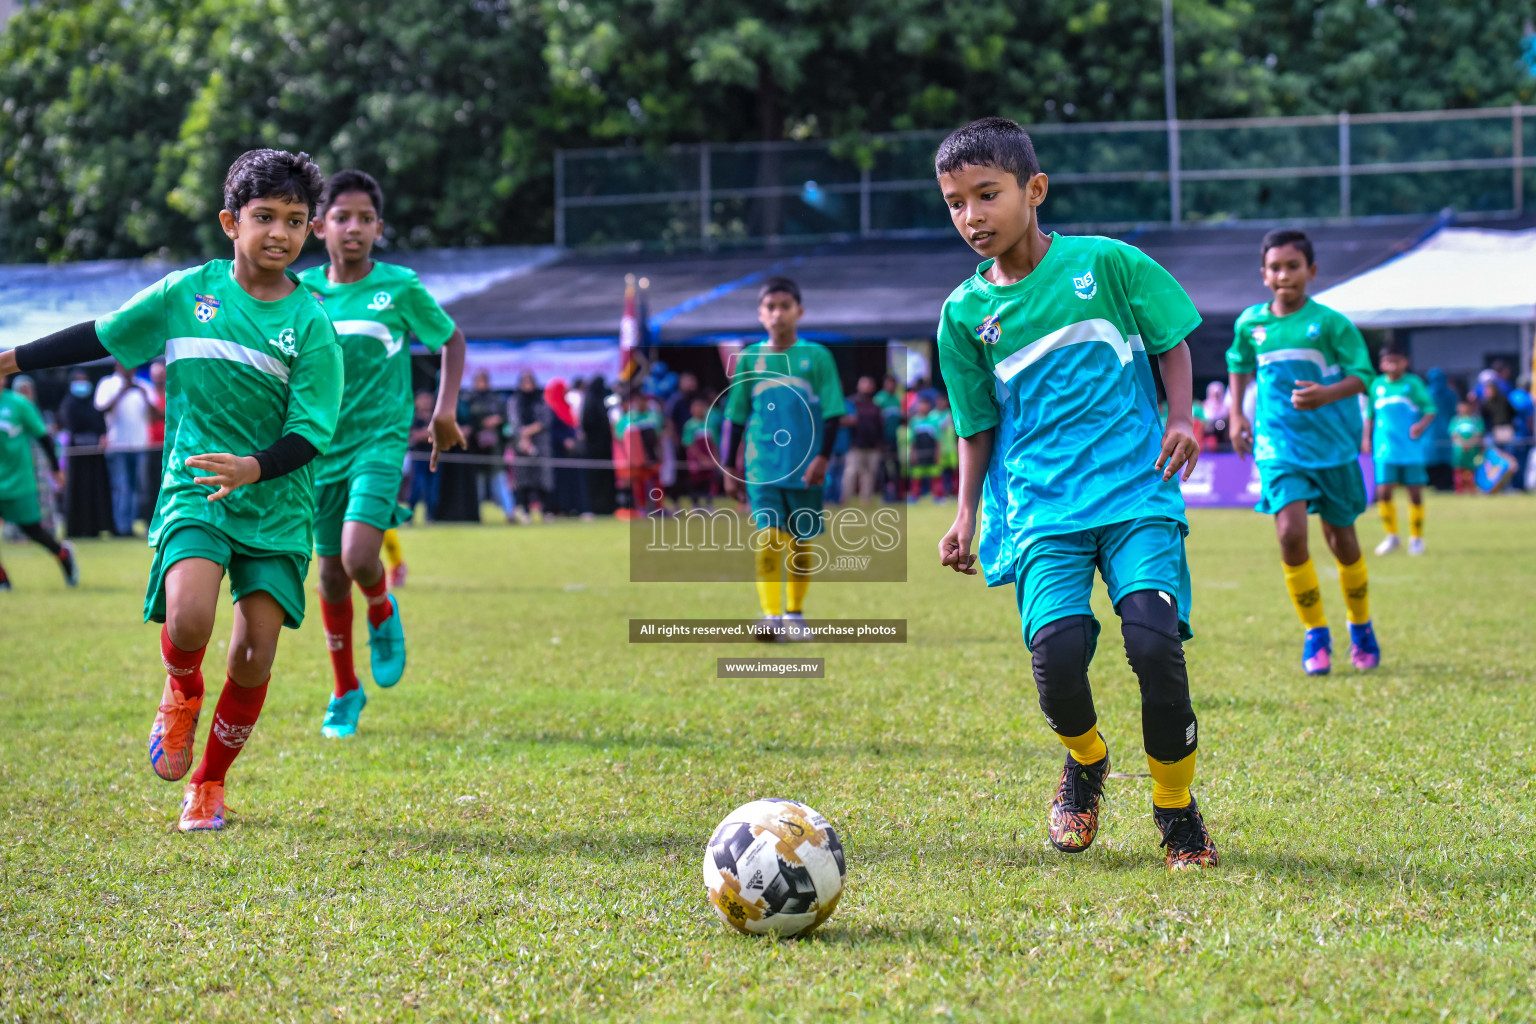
774	866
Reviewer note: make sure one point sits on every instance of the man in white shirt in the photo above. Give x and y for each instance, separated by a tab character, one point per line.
125	403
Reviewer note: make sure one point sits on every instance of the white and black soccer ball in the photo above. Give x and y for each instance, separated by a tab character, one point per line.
774	866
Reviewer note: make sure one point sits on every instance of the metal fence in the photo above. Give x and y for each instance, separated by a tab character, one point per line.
1108	176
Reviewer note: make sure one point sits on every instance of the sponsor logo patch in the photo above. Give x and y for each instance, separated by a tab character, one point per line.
205	308
286	342
1085	286
990	332
381	302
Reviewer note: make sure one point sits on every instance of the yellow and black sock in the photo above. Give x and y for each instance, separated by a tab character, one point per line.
1170	781
798	565
769	562
393	556
1301	584
1357	592
1087	748
1416	521
1388	512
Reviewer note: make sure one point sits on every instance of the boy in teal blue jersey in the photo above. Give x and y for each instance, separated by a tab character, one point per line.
1045	351
1308	363
1401	411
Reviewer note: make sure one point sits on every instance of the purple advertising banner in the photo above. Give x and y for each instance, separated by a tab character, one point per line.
1223	480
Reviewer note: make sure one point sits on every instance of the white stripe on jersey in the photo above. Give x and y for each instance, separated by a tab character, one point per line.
1073	334
1309	355
230	351
372	328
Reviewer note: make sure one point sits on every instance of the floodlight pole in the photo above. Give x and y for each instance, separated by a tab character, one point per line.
1171	114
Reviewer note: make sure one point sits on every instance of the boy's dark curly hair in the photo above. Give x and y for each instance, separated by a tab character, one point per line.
272	174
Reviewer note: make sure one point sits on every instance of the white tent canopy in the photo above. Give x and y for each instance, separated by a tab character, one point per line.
1458	276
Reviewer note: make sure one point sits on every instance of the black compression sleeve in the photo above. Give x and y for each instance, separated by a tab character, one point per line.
286	454
830	427
738	431
49	452
77	344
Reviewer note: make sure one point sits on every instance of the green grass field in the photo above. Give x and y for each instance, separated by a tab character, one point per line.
516	833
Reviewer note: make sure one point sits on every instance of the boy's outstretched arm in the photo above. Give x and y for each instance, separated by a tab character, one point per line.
445	419
1237	422
975	457
1180	450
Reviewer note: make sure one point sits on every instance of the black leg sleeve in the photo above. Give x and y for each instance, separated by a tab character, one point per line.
1149	621
35	531
1062	651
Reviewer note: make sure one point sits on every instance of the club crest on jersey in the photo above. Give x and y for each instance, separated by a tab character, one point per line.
1314	331
381	302
990	332
1260	333
206	307
286	342
1085	286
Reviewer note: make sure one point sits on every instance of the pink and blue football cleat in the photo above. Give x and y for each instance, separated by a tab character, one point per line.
1317	652
1364	651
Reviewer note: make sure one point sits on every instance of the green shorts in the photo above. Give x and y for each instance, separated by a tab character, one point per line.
22	509
1408	474
796	510
280	574
1055	574
371	495
1336	493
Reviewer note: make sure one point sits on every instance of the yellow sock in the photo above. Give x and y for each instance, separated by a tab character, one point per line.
1170	781
797	564
1388	516
1416	521
769	558
1301	584
1357	593
393	556
1087	748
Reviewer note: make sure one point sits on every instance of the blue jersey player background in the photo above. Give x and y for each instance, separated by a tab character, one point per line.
1045	351
1401	412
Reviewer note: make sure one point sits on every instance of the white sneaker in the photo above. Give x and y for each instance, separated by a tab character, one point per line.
1389	545
795	629
1415	545
769	629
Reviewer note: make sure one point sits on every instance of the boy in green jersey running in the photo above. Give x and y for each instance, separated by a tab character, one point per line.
1046	354
20	424
1309	363
1400	411
785	401
375	307
253	381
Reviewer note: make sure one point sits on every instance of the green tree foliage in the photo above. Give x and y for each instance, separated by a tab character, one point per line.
120	116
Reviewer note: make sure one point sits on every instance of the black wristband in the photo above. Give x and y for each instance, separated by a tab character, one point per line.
77	344
286	454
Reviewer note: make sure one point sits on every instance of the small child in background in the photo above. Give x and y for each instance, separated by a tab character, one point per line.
949	445
923	443
1466	445
700	447
639	432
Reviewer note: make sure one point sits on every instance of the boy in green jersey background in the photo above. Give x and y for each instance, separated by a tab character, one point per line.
1466	432
375	307
1400	411
1308	363
785	402
1045	351
253	381
20	425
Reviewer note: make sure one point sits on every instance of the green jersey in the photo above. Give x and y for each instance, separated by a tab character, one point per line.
239	374
1316	344
1466	440
783	397
374	318
20	422
1395	407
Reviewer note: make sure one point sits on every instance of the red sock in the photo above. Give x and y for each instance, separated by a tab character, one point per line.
184	667
337	619
233	720
379	607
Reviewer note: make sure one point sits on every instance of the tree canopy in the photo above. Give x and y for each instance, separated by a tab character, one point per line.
121	116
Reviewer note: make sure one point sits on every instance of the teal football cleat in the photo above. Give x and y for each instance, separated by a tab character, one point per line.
342	713
386	647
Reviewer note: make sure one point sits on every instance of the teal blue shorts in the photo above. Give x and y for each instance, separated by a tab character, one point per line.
1337	493
1055	574
1406	473
795	510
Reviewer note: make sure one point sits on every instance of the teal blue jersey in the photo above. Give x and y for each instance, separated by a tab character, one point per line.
1058	364
1395	407
1314	344
782	398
